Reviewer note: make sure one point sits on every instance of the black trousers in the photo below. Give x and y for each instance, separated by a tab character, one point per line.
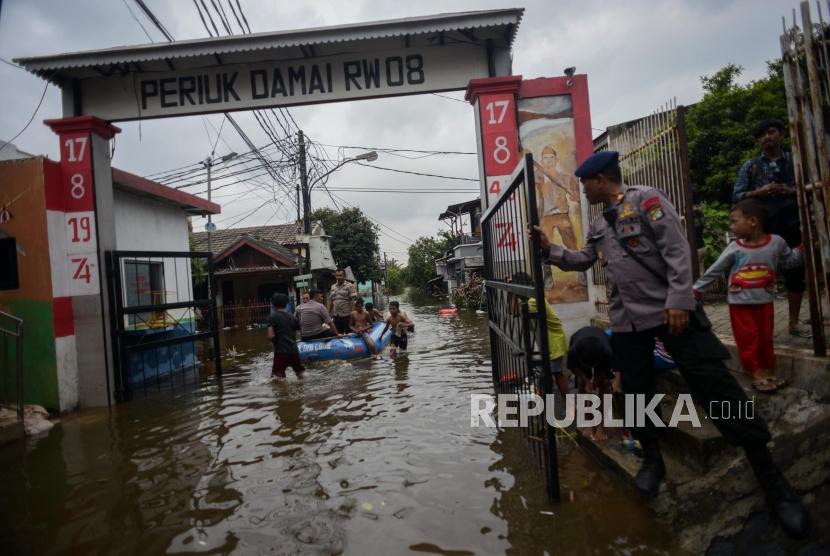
342	324
699	356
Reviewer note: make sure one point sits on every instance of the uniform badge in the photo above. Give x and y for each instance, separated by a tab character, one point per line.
653	209
627	211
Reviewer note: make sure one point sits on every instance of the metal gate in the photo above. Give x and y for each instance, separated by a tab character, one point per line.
156	319
806	64
653	152
518	338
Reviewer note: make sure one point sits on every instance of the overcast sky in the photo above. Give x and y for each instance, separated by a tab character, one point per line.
637	54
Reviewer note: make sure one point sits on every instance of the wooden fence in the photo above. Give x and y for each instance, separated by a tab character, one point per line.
806	65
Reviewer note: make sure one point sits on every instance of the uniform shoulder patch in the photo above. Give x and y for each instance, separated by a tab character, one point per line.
653	208
650	203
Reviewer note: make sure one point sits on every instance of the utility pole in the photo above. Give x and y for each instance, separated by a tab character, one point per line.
385	274
209	228
306	202
304	186
208	164
299	205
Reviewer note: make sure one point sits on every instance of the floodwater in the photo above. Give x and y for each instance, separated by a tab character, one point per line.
374	457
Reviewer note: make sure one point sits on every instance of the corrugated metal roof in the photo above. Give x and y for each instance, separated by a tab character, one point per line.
62	65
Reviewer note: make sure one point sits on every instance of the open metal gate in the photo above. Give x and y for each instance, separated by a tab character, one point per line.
156	319
518	324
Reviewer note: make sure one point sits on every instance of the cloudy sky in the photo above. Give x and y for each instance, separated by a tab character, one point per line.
638	54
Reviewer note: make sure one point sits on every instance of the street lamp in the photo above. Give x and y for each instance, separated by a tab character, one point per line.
367	156
208	164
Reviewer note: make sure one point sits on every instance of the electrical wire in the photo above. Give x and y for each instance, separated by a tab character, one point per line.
416	173
25	127
132	13
154	19
451	98
389	149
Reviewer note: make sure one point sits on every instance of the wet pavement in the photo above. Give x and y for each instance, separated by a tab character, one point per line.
371	457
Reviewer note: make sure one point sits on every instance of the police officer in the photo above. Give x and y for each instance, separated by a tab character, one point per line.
641	243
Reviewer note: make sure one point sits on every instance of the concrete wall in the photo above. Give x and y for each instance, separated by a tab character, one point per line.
22	185
145	224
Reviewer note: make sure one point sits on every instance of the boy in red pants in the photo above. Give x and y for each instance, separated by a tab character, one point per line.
751	261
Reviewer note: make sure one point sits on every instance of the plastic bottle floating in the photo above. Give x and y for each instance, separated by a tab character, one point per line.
447	311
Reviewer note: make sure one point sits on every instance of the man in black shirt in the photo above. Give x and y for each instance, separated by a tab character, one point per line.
282	331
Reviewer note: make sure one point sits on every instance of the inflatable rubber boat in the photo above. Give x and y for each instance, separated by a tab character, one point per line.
350	346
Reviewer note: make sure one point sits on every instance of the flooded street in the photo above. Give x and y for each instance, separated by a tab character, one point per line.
372	457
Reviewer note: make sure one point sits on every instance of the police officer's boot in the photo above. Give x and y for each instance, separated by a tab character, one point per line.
782	500
652	471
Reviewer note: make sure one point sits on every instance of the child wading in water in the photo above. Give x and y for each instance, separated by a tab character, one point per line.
282	331
361	323
751	261
399	323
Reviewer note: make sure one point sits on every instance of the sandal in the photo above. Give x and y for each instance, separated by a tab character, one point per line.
765	385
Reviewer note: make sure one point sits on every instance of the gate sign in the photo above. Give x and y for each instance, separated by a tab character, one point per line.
284	83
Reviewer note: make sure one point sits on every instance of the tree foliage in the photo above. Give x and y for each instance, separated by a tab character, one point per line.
198	270
354	240
714	234
422	255
394	276
719	126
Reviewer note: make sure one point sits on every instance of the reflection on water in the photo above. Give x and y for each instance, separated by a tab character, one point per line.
370	457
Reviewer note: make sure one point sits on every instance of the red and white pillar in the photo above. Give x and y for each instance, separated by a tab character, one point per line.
494	99
81	229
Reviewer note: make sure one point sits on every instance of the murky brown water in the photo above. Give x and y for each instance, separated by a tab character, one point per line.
375	457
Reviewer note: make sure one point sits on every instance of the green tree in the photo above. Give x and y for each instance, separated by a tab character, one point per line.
719	126
394	276
422	255
198	270
354	240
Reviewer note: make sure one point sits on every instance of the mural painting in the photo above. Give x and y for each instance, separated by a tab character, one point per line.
546	129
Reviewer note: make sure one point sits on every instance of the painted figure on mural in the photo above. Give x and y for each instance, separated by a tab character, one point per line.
556	194
546	129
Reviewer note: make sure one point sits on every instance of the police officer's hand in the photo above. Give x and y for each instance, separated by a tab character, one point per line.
544	242
678	320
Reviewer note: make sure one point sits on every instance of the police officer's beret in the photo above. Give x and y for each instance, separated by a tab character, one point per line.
596	163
